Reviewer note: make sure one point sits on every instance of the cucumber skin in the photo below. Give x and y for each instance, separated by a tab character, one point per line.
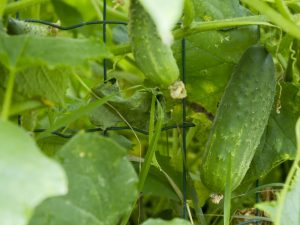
240	120
153	57
18	27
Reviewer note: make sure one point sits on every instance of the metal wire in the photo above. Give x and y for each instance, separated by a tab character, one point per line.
249	221
70	133
184	169
57	133
71	27
104	40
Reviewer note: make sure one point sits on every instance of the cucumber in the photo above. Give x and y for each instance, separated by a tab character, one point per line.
17	27
153	57
240	120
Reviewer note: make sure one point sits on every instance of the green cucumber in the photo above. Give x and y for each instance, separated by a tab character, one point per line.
153	57
240	120
17	27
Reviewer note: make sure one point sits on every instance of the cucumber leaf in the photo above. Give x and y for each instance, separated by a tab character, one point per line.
208	68
135	108
291	206
102	184
72	12
27	176
286	210
19	102
67	14
40	82
175	221
71	116
157	185
278	143
50	145
25	51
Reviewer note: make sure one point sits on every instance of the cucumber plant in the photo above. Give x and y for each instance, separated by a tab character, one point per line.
132	167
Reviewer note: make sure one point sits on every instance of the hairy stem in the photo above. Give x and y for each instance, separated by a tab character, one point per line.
283	9
8	95
275	17
197	27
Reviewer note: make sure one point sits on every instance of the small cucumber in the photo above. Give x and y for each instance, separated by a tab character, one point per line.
153	57
240	120
17	27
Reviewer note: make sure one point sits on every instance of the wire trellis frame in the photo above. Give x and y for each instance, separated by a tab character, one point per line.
70	133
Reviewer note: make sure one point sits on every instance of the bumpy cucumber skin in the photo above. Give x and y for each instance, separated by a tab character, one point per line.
240	120
17	27
153	57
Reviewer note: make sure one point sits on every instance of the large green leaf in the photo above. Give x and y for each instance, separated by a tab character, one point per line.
25	51
278	142
211	56
44	83
102	184
27	176
40	82
175	221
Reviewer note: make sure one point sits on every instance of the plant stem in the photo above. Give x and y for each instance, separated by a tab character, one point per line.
283	9
8	94
275	17
120	49
197	27
288	2
16	6
151	149
227	195
149	156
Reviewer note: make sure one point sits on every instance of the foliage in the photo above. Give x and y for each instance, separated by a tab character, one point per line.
27	176
95	167
161	222
289	198
113	134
